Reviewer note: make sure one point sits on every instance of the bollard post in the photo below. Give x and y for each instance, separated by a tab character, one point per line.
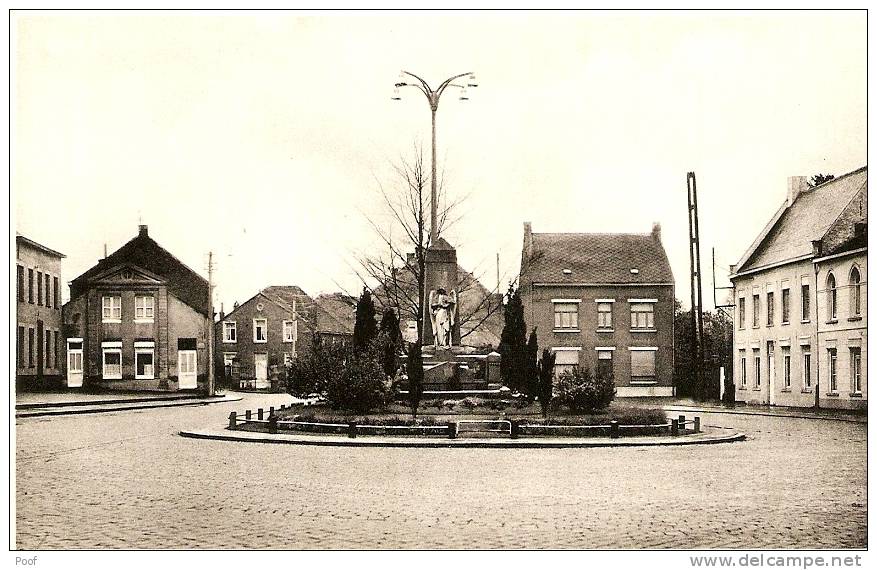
232	420
696	424
272	423
351	429
614	432
515	429
681	424
270	411
674	427
248	415
259	414
452	430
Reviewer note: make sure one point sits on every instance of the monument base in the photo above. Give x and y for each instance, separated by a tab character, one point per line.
458	368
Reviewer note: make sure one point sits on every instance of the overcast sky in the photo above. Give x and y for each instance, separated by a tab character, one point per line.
262	136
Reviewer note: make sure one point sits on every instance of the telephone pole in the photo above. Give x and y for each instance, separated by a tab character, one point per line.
696	289
211	380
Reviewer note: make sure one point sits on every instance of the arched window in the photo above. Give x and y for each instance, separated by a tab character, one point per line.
832	297
855	292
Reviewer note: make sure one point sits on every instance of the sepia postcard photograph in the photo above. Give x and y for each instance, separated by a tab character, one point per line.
425	280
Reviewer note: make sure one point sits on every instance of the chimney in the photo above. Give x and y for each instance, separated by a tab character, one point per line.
528	239
144	230
797	184
656	231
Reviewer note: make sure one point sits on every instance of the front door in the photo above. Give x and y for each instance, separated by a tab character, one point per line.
261	370
187	364
771	375
74	363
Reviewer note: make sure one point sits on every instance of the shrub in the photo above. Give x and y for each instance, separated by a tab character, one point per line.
581	391
361	386
311	373
415	377
545	373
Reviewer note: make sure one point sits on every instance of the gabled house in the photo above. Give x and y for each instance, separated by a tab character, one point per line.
800	335
137	320
39	353
603	301
272	328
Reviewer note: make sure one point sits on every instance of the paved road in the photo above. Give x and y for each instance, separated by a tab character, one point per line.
125	480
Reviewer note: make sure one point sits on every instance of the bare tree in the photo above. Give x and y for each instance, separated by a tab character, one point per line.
400	271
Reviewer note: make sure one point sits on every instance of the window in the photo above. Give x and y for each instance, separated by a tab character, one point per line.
831	285
855	293
290	330
20	352
642	366
604	364
567	360
642	315
30	286
112	309
742	368
787	368
832	370
785	302
57	348
805	367
604	315
57	293
566	316
756	310
228	359
770	308
144	361
112	360
856	371
260	330
20	283
48	291
229	331
30	347
144	308
39	287
756	367
805	302
47	357
741	309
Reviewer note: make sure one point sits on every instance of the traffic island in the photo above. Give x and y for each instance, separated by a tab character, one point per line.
96	406
263	426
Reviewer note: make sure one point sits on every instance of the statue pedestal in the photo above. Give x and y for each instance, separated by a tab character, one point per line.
440	272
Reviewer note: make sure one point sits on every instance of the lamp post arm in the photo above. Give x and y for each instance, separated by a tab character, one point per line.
447	82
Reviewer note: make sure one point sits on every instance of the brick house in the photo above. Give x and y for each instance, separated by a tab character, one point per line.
605	302
800	334
272	328
138	321
39	353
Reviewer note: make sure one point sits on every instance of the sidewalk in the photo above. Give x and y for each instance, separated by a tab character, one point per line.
717	435
688	405
57	404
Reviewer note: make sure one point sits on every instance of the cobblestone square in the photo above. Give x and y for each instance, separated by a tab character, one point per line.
127	480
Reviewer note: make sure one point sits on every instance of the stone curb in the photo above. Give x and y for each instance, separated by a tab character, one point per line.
708	410
111	407
101	402
528	443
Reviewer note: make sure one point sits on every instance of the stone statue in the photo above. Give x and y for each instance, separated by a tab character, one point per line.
442	315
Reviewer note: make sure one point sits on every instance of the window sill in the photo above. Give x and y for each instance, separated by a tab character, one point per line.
855	394
111	377
605	330
769	325
756	389
786	390
806	390
741	388
112	321
805	321
756	326
854	319
643	330
229	341
643	382
567	330
144	377
144	321
260	341
832	394
785	323
831	322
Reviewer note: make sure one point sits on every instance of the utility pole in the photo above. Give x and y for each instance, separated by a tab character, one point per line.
211	380
696	289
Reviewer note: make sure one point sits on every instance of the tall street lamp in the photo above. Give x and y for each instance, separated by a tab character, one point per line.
433	96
